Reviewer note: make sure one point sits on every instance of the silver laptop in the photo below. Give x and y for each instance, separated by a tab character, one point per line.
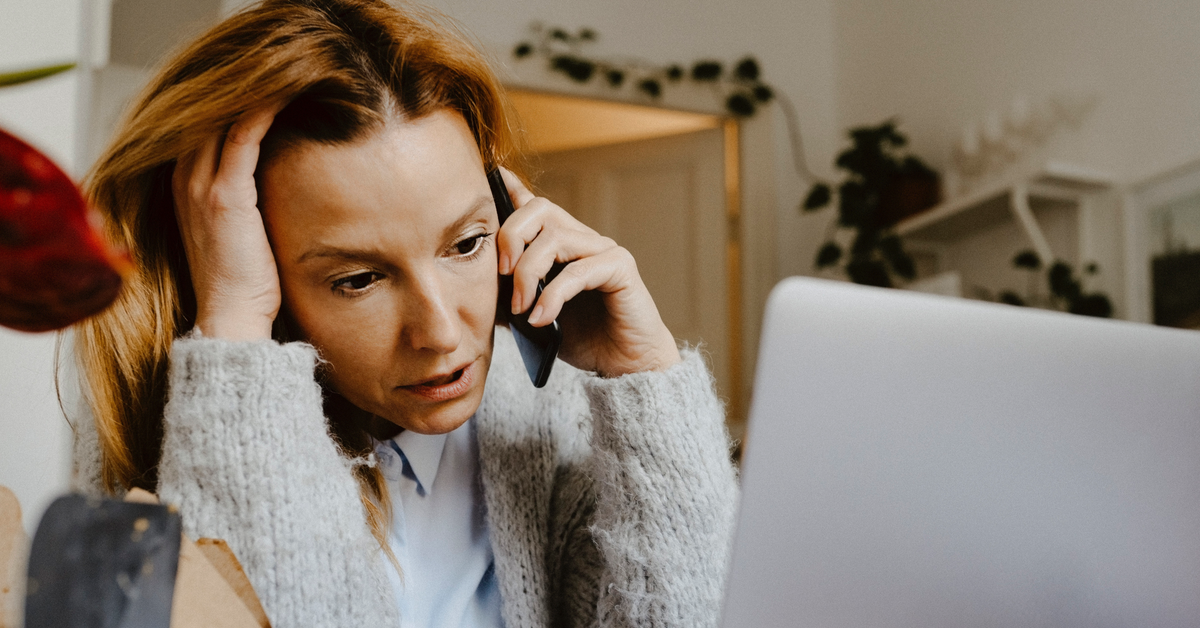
921	461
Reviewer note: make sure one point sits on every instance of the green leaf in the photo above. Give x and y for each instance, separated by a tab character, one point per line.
740	105
650	87
891	135
747	69
1028	260
1063	283
818	197
860	160
865	241
706	71
1095	304
829	255
1011	298
869	272
855	208
580	70
904	266
25	76
891	246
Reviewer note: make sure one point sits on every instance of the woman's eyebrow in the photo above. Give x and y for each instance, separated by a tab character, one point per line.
468	216
337	252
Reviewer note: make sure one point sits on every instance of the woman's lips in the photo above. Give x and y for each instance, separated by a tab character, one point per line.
448	387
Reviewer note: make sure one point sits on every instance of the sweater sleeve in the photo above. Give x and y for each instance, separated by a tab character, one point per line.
666	496
247	457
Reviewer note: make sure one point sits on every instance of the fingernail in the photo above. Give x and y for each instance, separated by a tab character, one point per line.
536	316
516	303
503	263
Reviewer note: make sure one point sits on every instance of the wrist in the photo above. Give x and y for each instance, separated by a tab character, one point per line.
658	359
234	328
663	359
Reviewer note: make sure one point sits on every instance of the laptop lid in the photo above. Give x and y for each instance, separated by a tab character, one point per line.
921	461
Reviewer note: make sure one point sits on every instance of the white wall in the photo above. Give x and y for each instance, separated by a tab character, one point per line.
940	63
34	437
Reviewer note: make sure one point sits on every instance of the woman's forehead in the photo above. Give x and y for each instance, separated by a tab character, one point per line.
419	177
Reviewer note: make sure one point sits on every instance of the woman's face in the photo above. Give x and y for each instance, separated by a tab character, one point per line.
387	261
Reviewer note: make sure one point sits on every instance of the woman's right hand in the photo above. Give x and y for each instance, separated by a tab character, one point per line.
216	205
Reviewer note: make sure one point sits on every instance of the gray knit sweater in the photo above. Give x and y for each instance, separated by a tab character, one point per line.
610	501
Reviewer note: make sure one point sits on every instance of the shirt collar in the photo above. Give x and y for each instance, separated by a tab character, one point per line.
424	454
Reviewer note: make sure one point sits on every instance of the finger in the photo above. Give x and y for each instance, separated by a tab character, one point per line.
610	271
537	216
516	189
552	245
193	175
519	230
205	164
239	155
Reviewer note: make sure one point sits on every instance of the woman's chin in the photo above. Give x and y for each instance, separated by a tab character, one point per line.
442	420
431	408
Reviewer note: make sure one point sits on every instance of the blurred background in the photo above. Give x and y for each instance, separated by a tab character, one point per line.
1069	128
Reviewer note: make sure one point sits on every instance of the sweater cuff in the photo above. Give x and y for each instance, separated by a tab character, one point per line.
673	409
210	376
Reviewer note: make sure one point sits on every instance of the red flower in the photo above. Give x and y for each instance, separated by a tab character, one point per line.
55	268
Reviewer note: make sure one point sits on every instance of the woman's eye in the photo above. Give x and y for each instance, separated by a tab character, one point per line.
470	245
356	282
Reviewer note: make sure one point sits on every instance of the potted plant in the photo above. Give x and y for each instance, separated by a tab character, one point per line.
881	188
1067	291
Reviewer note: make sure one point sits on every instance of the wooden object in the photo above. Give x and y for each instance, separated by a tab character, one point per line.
13	546
226	564
204	598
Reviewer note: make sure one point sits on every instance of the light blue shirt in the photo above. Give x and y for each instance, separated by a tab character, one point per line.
439	531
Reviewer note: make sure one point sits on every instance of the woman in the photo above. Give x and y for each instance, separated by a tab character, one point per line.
303	191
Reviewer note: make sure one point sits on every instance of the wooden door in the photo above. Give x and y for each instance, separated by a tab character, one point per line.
662	199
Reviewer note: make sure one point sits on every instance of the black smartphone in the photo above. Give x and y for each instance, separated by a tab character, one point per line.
538	345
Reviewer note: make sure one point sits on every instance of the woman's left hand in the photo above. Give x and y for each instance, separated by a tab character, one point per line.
609	321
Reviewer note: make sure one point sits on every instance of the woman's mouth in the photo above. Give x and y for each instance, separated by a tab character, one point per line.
445	387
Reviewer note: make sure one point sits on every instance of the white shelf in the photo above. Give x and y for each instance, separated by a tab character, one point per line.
1006	199
992	203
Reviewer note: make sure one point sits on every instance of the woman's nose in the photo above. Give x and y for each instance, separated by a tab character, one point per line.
432	322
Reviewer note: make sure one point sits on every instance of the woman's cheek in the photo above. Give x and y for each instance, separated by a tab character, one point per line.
481	295
334	324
